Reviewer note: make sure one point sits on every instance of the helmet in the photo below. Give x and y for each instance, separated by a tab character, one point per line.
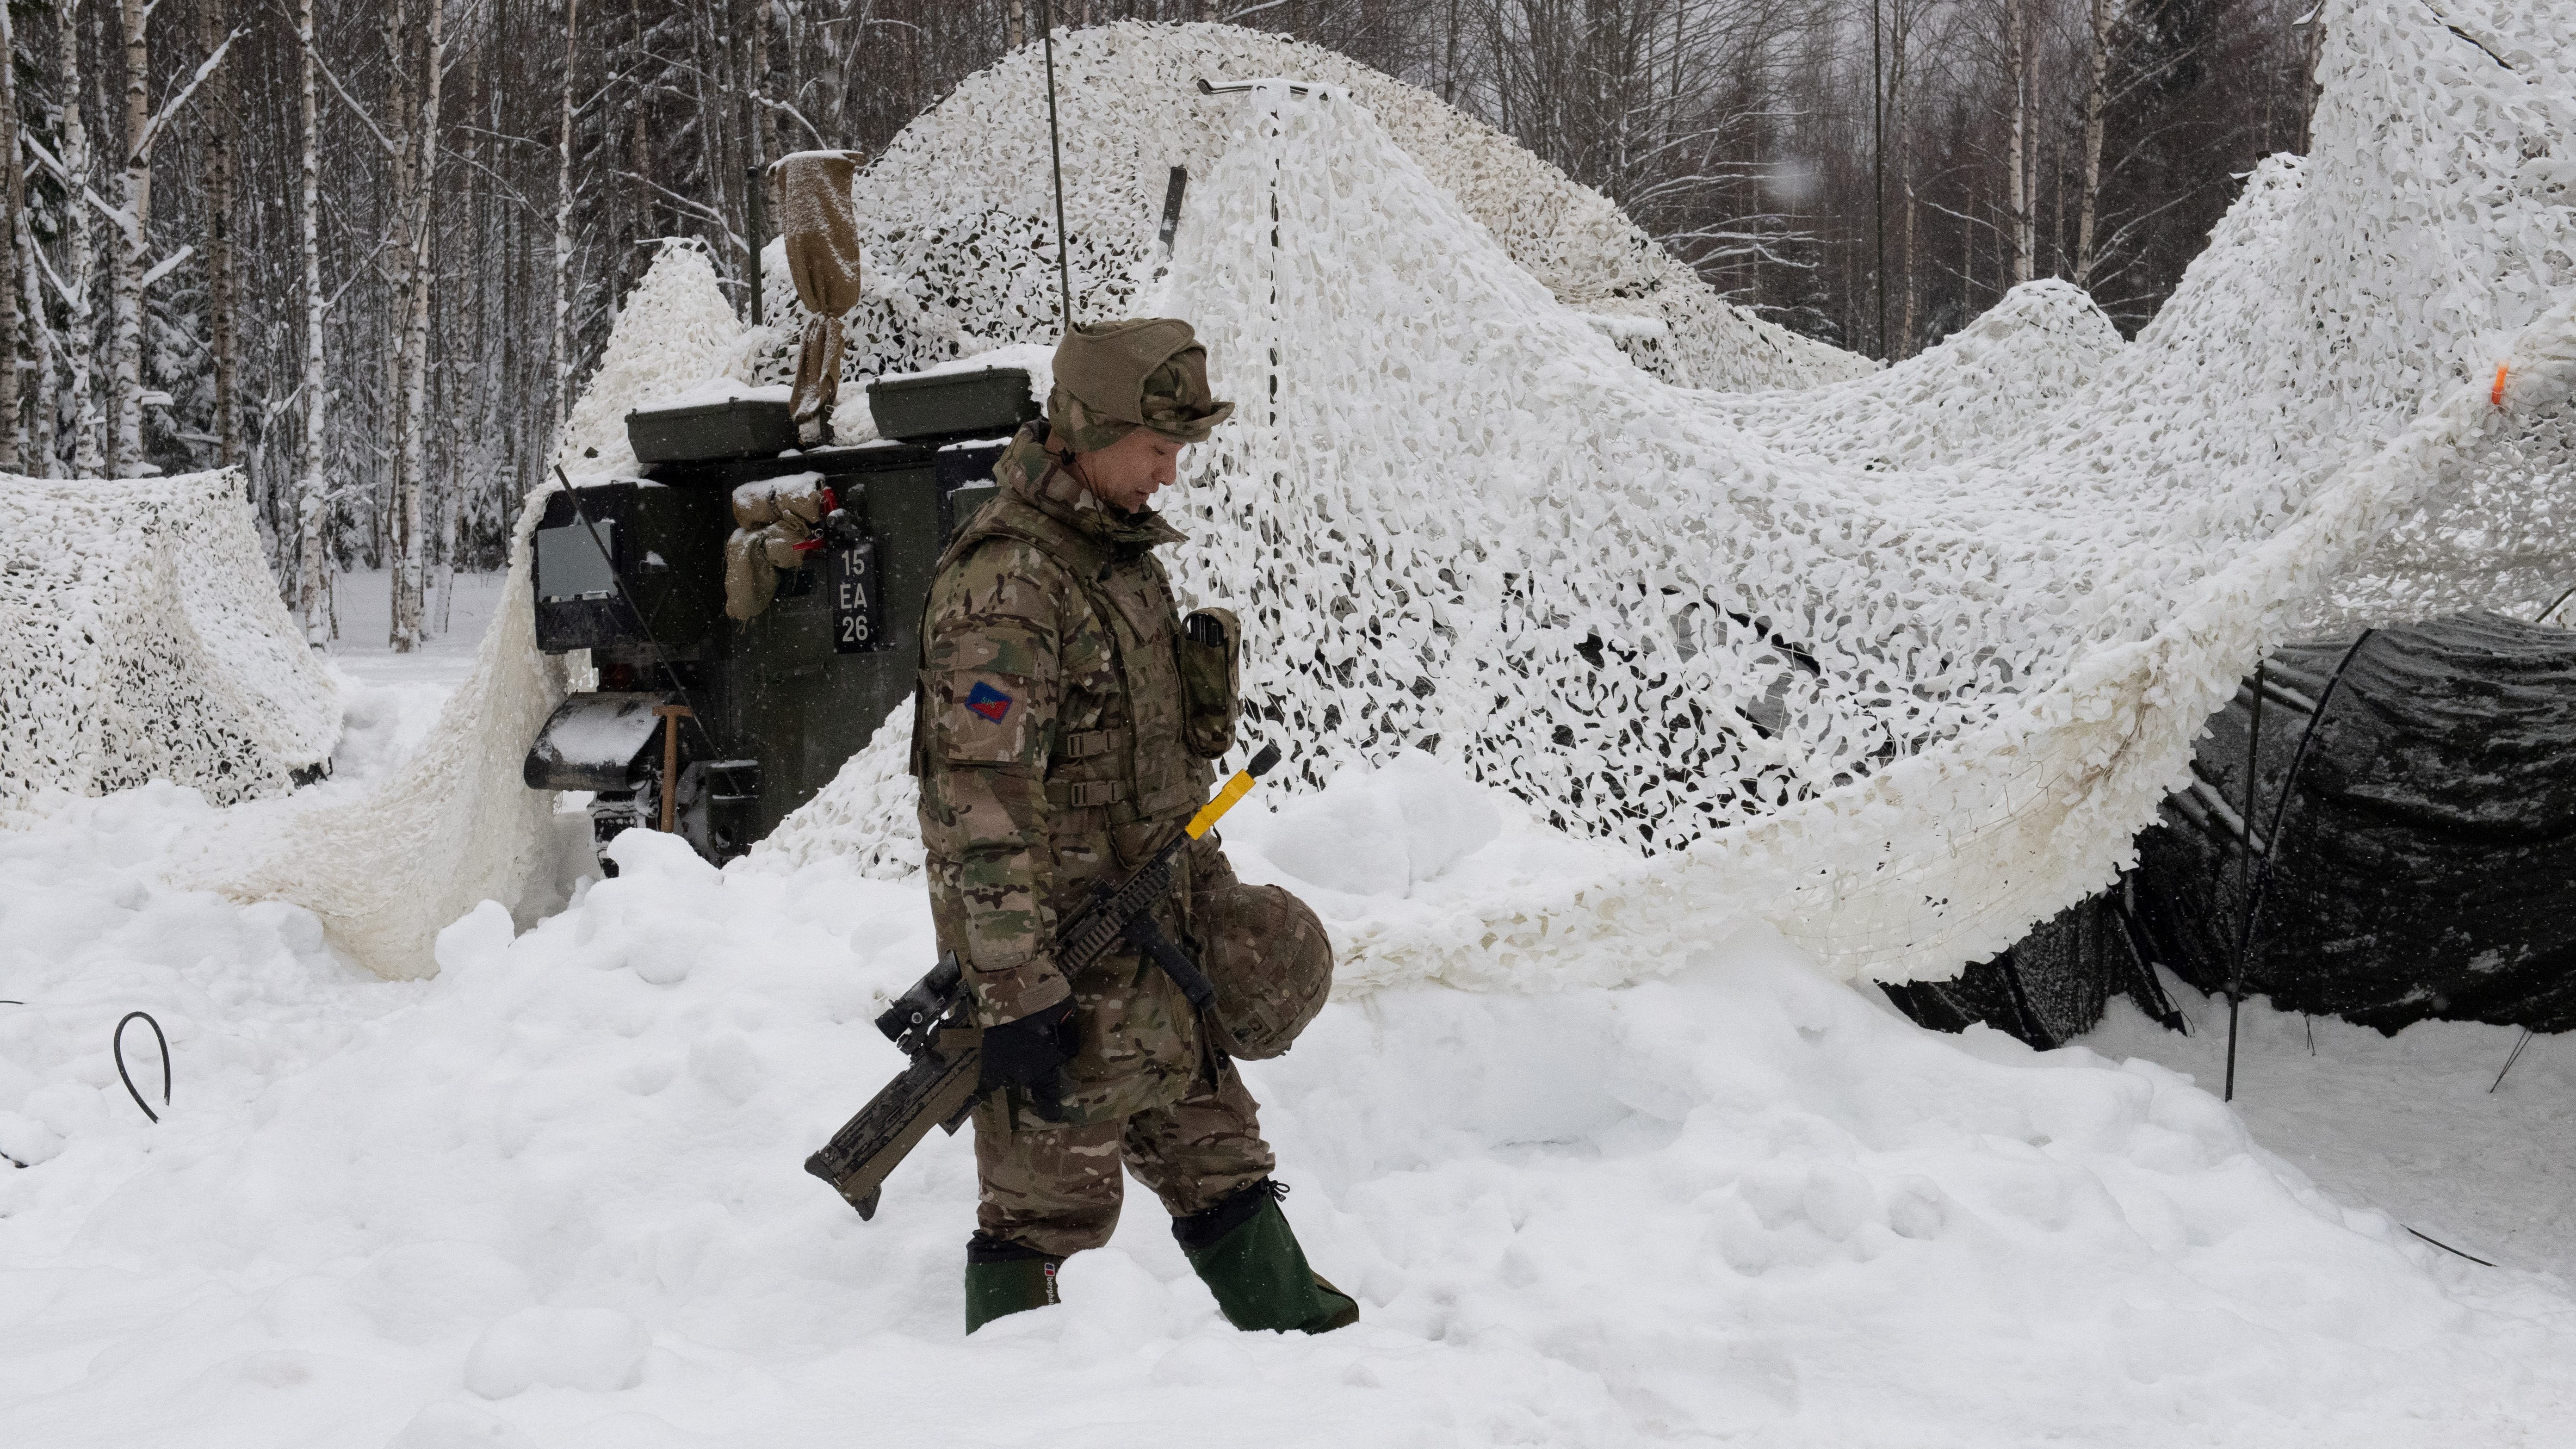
1272	965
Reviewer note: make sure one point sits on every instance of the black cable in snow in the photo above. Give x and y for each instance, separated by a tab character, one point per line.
2510	1058
117	1045
2447	1248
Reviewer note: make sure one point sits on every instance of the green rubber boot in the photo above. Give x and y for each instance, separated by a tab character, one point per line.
1245	1252
1003	1277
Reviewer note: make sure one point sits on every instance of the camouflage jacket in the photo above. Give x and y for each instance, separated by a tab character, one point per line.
1047	736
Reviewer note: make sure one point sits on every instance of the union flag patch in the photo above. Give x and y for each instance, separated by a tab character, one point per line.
987	701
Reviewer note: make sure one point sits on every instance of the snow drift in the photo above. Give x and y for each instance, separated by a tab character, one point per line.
553	1197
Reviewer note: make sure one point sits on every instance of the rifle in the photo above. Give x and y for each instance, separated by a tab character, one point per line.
930	1020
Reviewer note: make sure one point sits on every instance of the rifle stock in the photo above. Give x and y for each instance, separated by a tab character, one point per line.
938	1087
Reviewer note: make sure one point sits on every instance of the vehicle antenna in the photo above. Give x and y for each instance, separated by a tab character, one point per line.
1055	140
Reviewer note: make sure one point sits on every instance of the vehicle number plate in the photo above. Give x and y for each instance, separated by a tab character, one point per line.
858	601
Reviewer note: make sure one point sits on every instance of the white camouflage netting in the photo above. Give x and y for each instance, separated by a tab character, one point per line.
141	637
958	215
1900	663
451	827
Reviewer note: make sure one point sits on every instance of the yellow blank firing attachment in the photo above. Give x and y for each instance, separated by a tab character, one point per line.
1235	789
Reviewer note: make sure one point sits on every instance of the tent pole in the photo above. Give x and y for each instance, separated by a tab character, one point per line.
2244	863
1055	143
2272	835
2510	1059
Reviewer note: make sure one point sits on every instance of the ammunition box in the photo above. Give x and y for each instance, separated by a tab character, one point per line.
739	427
991	402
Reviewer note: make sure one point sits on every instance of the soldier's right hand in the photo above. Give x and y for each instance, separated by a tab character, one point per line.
1030	1054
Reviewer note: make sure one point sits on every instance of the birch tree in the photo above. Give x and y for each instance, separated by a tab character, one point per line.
40	337
131	268
13	257
413	427
222	343
312	487
2016	157
2097	102
561	397
89	455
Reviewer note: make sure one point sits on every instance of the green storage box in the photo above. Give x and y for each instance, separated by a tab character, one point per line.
737	427
990	402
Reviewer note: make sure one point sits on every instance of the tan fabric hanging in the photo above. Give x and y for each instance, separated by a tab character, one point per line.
822	232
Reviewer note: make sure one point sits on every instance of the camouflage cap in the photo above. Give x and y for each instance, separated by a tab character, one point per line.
1112	378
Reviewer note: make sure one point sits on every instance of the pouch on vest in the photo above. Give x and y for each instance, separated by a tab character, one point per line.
1211	656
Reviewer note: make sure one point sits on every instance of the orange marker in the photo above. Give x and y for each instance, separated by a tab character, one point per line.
2496	396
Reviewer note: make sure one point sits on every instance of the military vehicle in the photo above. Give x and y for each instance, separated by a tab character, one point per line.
718	727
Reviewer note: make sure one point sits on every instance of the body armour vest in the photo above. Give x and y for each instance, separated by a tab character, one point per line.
1112	762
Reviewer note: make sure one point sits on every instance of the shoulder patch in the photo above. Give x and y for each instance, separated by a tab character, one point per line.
989	702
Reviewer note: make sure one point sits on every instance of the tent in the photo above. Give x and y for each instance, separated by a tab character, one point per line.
2412	819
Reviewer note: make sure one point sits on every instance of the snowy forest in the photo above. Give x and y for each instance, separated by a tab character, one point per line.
366	251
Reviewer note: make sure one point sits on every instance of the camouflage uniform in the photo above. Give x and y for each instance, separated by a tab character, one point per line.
1048	741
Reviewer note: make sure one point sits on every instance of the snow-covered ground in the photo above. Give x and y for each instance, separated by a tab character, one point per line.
392	700
553	1196
2406	1124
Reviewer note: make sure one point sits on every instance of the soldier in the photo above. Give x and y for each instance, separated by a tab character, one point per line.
1053	743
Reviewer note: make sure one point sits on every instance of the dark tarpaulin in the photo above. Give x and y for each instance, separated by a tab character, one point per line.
2053	983
2426	865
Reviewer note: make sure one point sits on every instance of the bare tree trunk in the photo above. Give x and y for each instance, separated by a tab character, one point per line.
309	601
2017	55
128	259
561	401
89	456
1449	67
1878	175
764	118
222	339
405	634
755	161
1018	31
13	421
2096	101
128	268
2057	207
1967	271
40	336
2316	28
40	341
1903	28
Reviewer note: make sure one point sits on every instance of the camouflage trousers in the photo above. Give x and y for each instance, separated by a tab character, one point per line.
1057	1189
